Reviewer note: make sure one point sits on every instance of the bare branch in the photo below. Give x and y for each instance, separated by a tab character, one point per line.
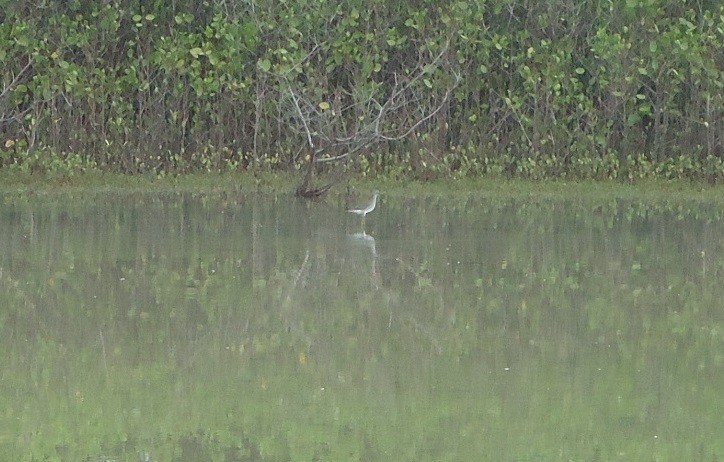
301	116
7	88
419	122
362	113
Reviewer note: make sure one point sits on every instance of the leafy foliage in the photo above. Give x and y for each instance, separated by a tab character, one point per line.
564	88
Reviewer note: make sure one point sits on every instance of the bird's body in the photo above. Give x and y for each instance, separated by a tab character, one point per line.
363	212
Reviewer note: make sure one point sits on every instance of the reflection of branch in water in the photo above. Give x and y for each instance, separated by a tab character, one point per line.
103	348
294	326
302	269
426	329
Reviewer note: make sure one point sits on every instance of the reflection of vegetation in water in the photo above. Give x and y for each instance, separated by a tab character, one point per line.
540	328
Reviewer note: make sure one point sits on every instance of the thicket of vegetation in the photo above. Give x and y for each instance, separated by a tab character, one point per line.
584	89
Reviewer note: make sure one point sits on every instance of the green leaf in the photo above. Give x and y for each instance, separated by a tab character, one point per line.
633	119
324	105
196	52
687	23
645	109
264	65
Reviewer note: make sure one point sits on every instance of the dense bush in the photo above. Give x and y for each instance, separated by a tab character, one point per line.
576	88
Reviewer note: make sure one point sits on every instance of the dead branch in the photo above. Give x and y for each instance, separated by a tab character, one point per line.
353	114
7	88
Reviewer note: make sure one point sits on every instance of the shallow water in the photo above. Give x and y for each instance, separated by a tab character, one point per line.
242	327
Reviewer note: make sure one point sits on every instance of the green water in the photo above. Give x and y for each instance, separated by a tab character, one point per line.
233	327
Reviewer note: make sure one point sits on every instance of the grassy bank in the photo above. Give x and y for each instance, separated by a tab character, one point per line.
281	183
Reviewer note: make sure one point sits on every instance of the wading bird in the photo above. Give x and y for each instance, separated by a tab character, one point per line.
370	207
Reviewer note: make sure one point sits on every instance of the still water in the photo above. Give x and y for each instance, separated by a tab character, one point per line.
243	327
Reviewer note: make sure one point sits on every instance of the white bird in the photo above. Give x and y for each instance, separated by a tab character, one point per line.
363	212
